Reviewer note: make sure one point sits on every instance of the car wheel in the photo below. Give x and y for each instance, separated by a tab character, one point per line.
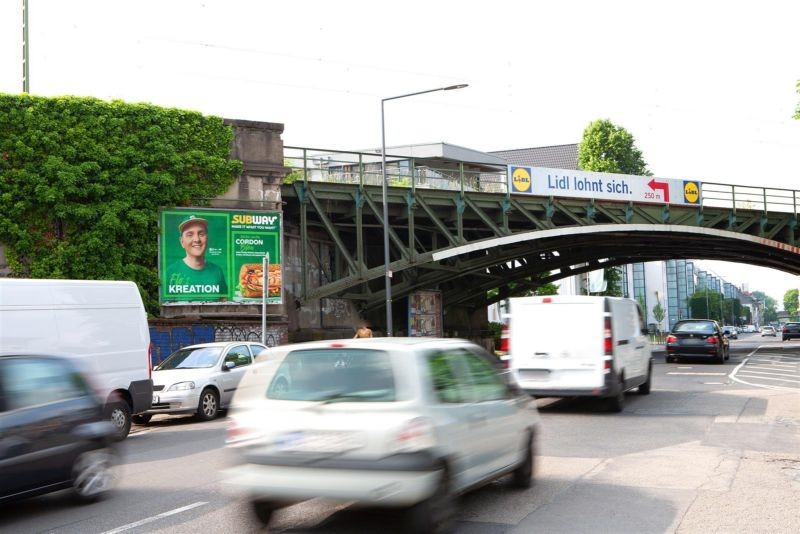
119	413
671	359
93	475
264	510
644	389
209	405
435	514
617	402
522	476
142	418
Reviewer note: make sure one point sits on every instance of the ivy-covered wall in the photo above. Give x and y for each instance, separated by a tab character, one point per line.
82	181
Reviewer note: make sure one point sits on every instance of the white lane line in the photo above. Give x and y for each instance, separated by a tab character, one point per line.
698	374
714	383
776	362
155	518
756	370
760	377
733	376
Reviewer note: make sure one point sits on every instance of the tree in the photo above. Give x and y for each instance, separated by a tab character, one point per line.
82	182
770	306
790	302
658	313
707	304
606	147
613	276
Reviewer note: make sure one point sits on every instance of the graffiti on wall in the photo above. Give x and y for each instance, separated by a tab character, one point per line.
166	339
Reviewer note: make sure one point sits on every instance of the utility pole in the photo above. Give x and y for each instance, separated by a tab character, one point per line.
26	84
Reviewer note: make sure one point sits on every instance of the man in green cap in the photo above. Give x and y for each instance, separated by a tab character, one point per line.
194	278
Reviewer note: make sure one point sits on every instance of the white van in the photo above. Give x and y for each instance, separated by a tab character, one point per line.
101	324
564	346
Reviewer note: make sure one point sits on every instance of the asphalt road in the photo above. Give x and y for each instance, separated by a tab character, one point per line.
713	448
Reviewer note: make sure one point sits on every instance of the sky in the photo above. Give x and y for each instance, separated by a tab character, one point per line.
707	89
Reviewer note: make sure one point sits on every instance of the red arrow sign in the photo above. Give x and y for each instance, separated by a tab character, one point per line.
664	186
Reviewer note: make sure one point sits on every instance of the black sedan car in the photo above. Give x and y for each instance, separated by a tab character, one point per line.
790	331
53	434
697	338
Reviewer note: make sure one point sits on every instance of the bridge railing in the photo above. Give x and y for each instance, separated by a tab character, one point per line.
364	168
766	199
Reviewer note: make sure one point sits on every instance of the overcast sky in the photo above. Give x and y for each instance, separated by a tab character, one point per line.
706	88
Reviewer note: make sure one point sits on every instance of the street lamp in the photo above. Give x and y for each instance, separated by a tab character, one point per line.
386	263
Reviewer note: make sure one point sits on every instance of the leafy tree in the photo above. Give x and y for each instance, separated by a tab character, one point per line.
790	302
658	313
707	304
606	147
613	277
82	182
770	306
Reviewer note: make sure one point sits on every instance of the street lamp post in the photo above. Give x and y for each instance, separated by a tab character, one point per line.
386	262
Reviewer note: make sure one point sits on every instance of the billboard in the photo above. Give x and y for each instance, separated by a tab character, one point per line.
210	255
601	185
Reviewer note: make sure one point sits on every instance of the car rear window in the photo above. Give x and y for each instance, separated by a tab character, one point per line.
696	327
334	375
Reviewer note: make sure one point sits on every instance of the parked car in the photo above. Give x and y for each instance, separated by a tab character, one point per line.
768	331
790	331
697	337
101	324
565	346
200	379
402	422
731	331
53	432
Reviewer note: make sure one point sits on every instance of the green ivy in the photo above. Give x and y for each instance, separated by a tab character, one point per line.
82	181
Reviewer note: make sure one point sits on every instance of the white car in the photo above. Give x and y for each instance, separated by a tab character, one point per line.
391	422
768	331
200	379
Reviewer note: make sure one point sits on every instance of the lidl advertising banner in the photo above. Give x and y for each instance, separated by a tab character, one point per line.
217	256
599	185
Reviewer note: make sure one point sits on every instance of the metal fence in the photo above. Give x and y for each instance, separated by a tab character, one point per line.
364	168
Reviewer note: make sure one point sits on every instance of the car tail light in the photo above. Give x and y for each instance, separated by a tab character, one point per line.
607	365
785	330
504	342
672	339
608	337
238	434
415	435
713	340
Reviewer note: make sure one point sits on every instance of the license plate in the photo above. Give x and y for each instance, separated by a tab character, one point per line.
325	442
534	374
155	399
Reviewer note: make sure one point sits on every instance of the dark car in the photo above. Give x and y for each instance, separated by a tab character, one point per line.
53	434
790	331
697	337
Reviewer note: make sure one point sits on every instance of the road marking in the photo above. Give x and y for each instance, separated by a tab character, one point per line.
714	383
733	377
777	379
155	518
683	367
749	369
698	374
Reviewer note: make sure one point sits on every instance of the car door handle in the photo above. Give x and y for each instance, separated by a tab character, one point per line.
639	346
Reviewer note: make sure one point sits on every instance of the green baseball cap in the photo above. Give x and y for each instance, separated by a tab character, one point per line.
191	219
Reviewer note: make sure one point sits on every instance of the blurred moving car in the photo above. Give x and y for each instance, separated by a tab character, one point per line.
402	422
565	346
790	331
697	337
200	379
53	433
768	331
100	324
731	331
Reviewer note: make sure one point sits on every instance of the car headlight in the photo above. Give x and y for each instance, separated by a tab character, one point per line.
181	386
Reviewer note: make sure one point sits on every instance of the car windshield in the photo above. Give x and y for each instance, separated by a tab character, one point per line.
199	358
334	375
695	327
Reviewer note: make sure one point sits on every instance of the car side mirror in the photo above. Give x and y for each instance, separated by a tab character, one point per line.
228	366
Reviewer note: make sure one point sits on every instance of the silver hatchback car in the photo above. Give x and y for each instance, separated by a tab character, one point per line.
403	422
200	379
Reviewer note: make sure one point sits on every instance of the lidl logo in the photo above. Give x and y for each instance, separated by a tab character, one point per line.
520	179
691	192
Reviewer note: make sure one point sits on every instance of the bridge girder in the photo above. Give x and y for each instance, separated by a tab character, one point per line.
462	243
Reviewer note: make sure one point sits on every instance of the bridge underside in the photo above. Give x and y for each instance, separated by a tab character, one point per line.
468	243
